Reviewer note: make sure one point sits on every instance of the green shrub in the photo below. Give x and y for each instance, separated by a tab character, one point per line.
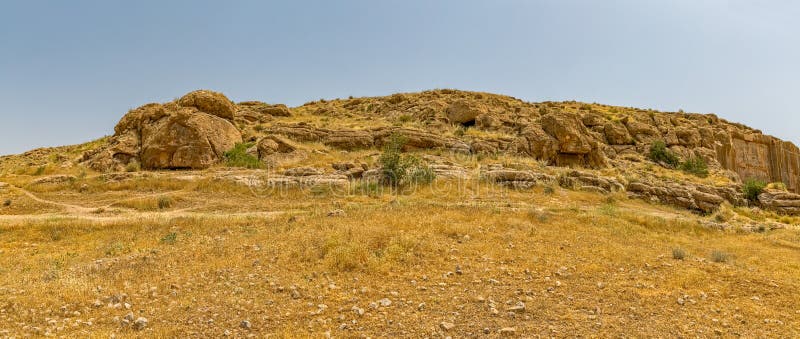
422	175
399	169
164	202
678	253
133	166
170	238
659	153
720	256
40	170
752	188
238	157
696	166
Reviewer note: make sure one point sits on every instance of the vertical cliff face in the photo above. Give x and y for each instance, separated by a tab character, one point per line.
758	156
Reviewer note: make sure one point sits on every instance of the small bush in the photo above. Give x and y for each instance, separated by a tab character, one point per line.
422	175
40	170
399	169
367	188
720	256
696	166
460	131
133	166
752	188
7	202
170	238
238	157
549	190
678	253
660	154
258	128
164	202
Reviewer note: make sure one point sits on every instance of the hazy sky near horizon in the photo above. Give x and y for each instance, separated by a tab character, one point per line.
69	70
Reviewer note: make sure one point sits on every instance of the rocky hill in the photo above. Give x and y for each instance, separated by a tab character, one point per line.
419	215
195	131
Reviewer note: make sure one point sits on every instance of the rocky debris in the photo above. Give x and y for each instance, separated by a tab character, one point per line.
350	170
257	111
706	199
418	139
331	180
507	331
342	139
303	172
590	182
140	323
242	179
780	201
53	179
447	326
515	178
337	213
211	102
245	324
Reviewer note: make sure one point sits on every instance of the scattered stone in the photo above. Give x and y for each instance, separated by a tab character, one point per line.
245	324
385	302
507	331
140	323
447	326
518	308
337	213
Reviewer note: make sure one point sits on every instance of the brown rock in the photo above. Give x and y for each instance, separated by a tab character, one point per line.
617	134
462	111
186	140
569	131
211	102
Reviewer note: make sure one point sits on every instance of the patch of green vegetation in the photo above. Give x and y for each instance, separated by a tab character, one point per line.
164	203
133	166
400	169
170	238
40	170
696	166
752	188
678	253
238	157
720	256
661	154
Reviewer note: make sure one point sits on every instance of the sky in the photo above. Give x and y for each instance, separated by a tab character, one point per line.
69	70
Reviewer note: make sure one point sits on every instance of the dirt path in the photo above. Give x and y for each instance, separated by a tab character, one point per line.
69	208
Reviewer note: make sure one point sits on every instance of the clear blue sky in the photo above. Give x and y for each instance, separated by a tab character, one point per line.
70	69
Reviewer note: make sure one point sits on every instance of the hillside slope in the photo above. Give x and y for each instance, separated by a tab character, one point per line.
433	214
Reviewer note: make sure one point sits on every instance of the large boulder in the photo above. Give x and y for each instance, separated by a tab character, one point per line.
189	133
570	132
462	112
210	102
187	140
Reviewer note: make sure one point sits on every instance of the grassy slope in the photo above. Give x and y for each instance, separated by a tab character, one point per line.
583	264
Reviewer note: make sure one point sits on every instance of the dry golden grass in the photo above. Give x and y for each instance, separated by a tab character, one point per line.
583	265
